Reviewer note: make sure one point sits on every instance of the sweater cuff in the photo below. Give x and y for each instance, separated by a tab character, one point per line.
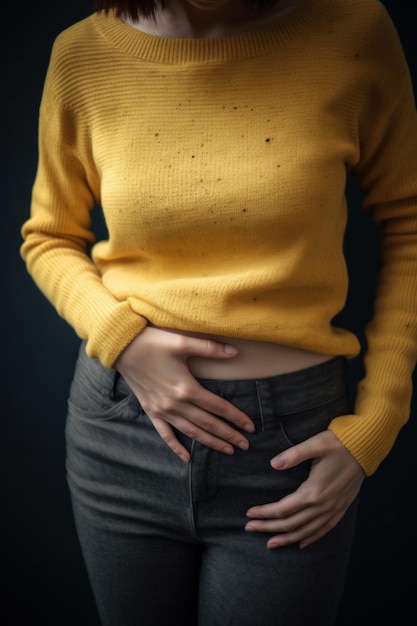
369	438
109	337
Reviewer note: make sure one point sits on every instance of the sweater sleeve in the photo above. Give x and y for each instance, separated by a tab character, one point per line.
387	175
58	234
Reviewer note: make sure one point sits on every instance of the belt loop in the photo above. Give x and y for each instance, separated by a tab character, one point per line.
261	413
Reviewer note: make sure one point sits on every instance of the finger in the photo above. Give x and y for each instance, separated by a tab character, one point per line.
192	392
288	505
282	525
300	534
209	431
308	540
215	405
206	348
305	535
311	448
167	434
294	456
192	401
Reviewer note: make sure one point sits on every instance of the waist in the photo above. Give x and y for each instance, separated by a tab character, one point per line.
255	359
288	394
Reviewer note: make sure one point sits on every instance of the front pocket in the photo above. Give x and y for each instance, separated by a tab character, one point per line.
298	427
121	409
97	392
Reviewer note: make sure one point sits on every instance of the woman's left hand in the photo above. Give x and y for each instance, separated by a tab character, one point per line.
320	502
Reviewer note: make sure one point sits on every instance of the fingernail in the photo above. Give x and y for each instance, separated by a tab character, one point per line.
243	445
278	462
228	450
249	428
184	458
230	349
249	527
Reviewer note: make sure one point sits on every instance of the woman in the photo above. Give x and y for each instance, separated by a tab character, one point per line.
209	436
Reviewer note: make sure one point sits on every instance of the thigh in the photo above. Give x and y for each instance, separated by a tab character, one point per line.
129	495
242	582
140	580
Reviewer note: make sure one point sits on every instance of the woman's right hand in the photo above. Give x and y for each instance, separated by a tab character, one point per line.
154	365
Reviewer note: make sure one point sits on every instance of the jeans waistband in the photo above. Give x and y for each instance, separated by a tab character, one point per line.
291	392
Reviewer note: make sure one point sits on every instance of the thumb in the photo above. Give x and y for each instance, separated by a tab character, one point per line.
305	451
211	349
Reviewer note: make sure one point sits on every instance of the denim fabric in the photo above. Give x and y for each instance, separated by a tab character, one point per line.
164	541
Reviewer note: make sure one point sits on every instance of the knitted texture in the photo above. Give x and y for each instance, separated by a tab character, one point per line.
220	166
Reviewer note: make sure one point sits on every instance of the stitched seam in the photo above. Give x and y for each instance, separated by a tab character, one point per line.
192	504
261	414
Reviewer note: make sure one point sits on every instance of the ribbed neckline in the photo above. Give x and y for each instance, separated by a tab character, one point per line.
173	51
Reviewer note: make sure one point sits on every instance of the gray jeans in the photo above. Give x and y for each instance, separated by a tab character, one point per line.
164	542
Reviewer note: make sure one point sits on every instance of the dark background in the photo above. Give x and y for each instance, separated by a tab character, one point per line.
44	581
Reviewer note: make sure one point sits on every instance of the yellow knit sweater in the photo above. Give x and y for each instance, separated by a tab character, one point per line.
221	165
